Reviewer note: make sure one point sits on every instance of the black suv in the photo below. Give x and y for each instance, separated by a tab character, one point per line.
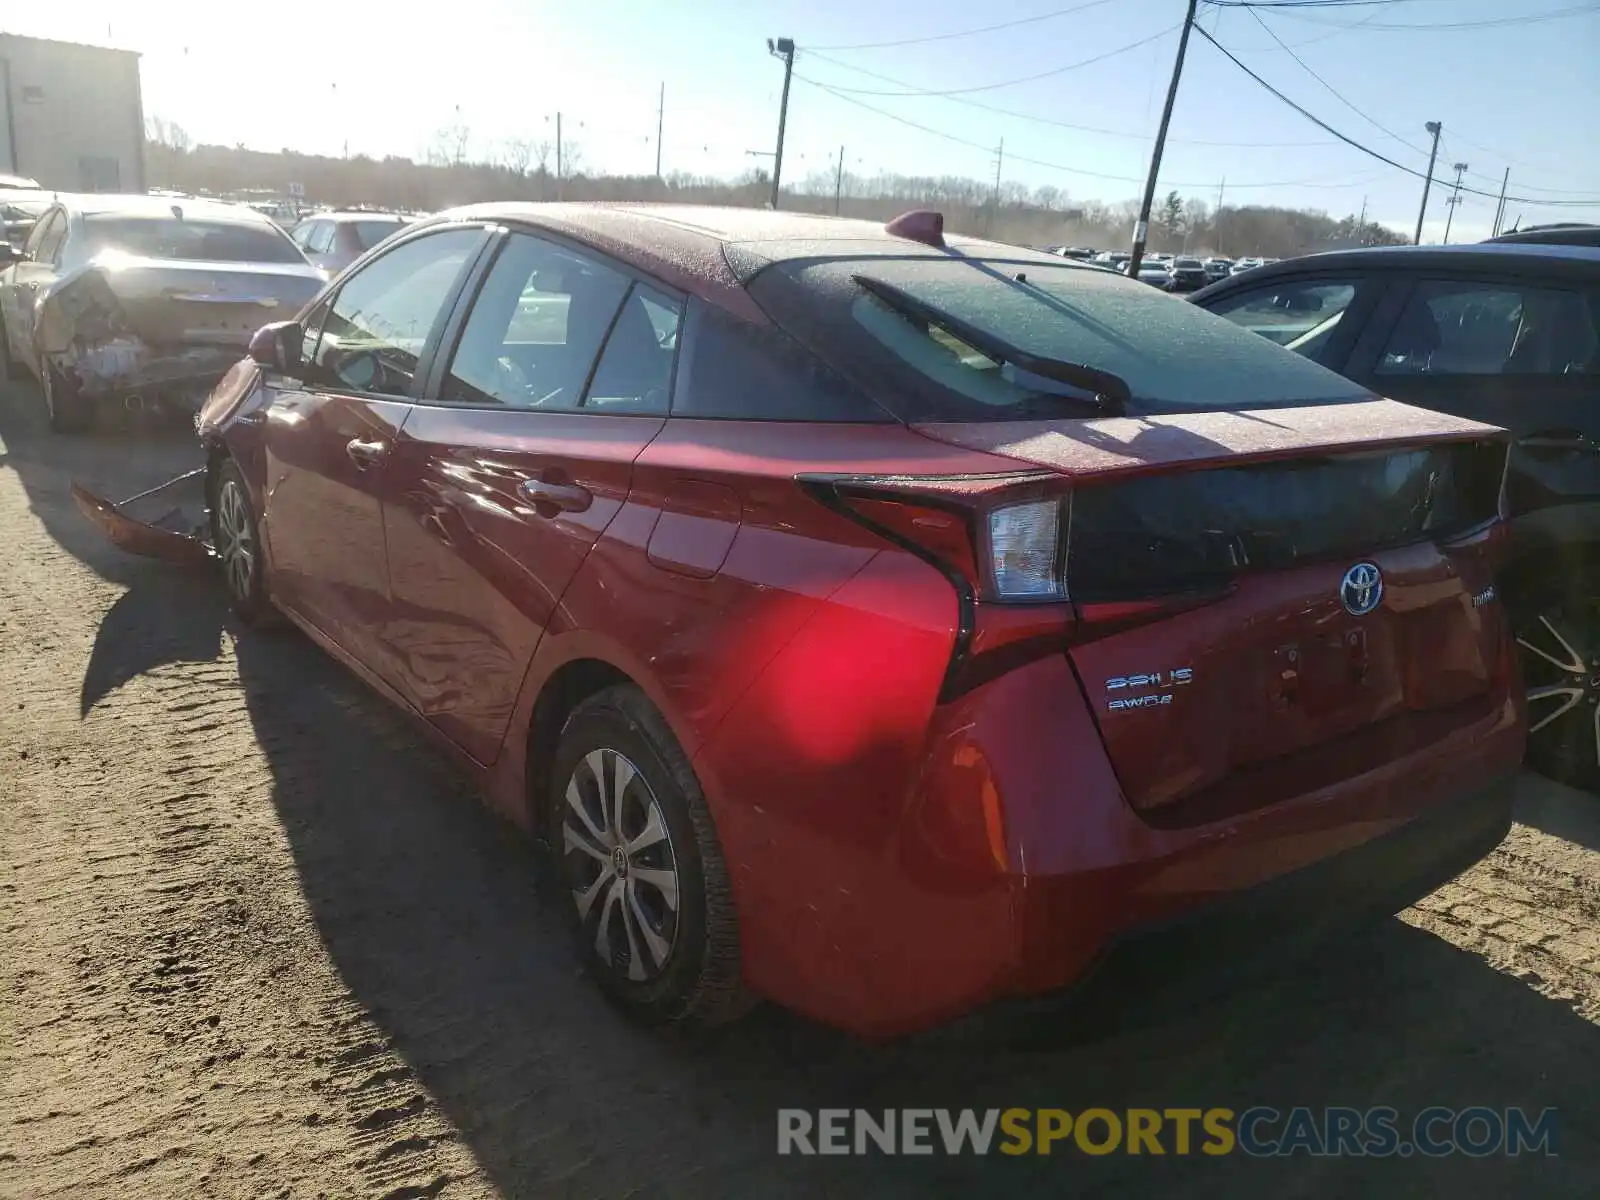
1507	333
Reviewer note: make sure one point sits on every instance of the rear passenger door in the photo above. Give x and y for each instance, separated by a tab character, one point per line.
1509	351
511	466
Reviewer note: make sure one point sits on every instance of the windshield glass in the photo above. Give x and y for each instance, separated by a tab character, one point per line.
370	233
1173	356
207	241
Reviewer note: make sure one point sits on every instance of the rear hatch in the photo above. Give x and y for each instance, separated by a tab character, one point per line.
1269	576
1269	608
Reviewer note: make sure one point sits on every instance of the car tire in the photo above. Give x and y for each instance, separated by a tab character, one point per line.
67	409
640	872
1558	639
236	538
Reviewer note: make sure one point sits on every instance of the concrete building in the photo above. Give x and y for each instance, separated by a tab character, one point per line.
71	116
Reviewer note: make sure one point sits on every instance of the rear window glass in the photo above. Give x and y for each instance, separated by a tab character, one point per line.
1172	355
205	241
370	233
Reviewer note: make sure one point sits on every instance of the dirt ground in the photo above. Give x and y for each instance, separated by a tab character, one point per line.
255	940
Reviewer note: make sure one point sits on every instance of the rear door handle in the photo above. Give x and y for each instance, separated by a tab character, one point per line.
549	498
364	453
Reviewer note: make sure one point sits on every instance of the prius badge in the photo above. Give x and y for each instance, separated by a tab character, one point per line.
1361	591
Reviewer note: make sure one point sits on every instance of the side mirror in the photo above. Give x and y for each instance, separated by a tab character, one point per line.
277	346
10	254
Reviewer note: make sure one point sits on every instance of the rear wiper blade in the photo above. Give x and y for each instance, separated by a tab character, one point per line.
1110	391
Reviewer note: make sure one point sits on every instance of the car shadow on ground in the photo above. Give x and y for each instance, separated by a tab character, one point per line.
1560	811
427	905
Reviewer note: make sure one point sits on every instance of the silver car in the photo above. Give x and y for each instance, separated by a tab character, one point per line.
334	240
141	299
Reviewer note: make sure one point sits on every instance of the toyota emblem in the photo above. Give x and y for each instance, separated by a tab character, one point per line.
1361	590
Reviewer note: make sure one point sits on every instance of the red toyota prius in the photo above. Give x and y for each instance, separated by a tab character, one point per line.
880	623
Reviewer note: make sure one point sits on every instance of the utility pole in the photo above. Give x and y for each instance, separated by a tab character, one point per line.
838	182
1361	224
1141	231
994	199
1500	208
1455	199
661	120
1433	127
559	185
782	48
1216	217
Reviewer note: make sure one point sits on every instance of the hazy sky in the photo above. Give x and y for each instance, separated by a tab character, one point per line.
384	78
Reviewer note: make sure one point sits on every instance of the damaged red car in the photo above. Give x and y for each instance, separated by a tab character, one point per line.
875	622
141	301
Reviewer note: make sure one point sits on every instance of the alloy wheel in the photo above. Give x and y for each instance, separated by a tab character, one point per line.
620	865
236	539
1562	669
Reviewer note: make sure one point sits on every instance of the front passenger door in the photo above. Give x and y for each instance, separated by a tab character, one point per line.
328	435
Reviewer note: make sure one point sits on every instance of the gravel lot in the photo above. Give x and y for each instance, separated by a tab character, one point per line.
256	940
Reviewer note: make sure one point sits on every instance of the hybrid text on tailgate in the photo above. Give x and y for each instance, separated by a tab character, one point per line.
877	623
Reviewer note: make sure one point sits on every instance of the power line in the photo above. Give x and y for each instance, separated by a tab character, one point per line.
1368	150
1444	26
1039	162
1337	95
990	87
1052	121
1366	116
964	33
1312	3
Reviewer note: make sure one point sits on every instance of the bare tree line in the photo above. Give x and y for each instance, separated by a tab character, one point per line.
525	169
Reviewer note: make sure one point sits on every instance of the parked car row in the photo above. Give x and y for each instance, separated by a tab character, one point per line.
876	622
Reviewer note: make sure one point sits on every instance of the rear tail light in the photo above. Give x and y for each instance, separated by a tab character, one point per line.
1002	543
1026	551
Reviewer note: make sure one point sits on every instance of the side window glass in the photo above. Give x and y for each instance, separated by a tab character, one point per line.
535	328
321	239
311	330
1453	328
733	369
1301	315
635	371
300	234
380	321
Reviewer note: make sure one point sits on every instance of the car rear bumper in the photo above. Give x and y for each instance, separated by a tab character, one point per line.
1013	867
1228	940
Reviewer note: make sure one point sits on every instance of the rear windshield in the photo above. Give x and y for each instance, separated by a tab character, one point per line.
1173	356
206	241
370	233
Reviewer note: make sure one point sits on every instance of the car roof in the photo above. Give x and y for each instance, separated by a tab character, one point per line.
220	211
713	251
1531	258
355	215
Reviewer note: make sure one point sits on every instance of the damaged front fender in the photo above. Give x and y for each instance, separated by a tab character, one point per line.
170	521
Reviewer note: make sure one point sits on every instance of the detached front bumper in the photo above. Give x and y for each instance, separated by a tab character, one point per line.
168	522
